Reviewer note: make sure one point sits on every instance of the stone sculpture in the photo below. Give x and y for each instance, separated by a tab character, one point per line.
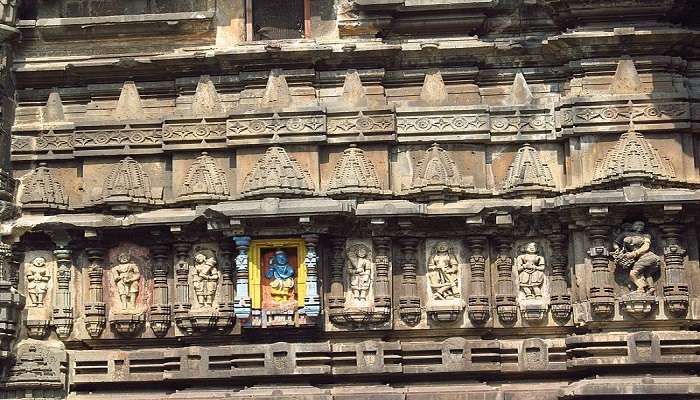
281	275
38	278
126	278
443	273
205	279
530	267
360	272
632	251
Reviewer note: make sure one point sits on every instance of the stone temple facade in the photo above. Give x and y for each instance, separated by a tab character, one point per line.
318	199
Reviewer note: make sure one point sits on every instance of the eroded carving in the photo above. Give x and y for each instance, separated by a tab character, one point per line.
528	174
359	267
205	180
530	266
42	190
354	174
437	175
128	183
205	279
443	273
126	280
38	277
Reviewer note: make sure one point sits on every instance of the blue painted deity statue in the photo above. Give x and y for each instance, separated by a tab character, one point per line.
281	275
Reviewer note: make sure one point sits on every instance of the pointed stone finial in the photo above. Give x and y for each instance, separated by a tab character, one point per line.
520	94
353	92
129	105
626	79
433	92
277	94
528	173
206	99
53	112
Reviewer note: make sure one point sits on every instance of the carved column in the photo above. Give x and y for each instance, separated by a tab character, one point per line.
242	301
11	303
409	300
559	296
63	307
182	306
382	294
227	316
506	307
479	308
601	292
676	287
95	311
312	301
161	316
336	299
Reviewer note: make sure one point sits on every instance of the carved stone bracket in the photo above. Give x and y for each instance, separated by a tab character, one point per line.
409	300
506	306
559	296
601	295
676	288
95	310
479	309
161	318
63	308
242	301
312	301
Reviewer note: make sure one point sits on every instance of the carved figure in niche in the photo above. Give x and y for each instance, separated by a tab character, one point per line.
126	278
360	272
37	281
530	271
632	250
205	279
443	273
281	275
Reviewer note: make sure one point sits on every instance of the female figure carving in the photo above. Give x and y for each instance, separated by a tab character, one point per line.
126	278
360	271
632	250
530	271
205	279
443	273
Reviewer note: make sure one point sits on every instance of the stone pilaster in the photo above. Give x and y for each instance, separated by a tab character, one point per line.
312	302
506	307
161	310
63	306
601	293
559	295
479	309
242	301
675	289
336	299
182	306
382	294
227	315
409	300
95	311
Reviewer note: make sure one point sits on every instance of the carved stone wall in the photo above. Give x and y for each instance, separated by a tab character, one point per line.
412	195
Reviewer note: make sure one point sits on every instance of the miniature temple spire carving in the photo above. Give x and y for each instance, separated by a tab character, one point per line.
633	159
437	173
527	173
206	99
205	181
354	174
41	190
129	105
276	173
128	182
